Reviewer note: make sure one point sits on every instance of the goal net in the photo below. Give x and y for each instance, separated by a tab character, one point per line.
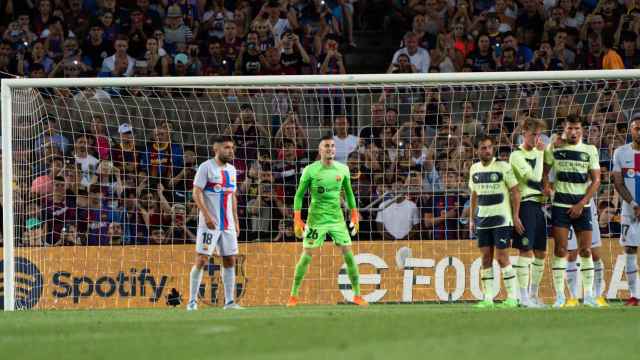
98	209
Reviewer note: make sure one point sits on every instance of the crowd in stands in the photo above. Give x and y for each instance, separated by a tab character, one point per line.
102	187
74	38
409	177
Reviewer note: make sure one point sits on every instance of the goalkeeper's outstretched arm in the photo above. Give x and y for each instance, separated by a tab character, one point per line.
298	224
351	203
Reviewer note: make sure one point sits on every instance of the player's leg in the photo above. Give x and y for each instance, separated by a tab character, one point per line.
539	254
630	239
524	244
312	239
560	233
631	271
598	265
342	238
227	246
573	273
583	227
508	273
205	244
486	275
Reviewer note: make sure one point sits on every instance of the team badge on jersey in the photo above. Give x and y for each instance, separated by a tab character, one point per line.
584	157
338	178
494	177
631	173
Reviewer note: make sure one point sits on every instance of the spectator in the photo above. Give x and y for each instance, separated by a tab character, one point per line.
630	55
185	65
35	233
294	56
179	232
151	15
114	232
97	220
372	132
175	31
215	62
403	66
125	153
120	63
247	133
57	212
157	59
182	184
397	217
95	48
231	42
545	59
52	135
43	185
345	142
88	163
419	56
134	225
162	158
508	61
331	61
110	27
445	210
157	235
285	232
482	58
291	129
250	60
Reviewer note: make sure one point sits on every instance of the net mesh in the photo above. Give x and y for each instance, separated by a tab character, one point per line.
104	214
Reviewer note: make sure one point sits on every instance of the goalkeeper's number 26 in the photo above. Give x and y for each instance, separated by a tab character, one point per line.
312	234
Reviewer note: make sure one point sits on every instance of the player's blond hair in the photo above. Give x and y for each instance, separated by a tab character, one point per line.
533	124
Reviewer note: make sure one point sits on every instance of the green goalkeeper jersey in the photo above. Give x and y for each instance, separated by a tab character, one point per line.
326	184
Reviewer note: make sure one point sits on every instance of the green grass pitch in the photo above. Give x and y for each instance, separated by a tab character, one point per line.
323	332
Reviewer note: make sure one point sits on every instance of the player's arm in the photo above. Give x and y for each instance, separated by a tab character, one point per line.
351	203
594	170
473	209
199	182
522	167
512	184
235	212
298	224
548	163
618	180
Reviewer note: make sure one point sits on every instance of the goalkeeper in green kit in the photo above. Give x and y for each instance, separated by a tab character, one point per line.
325	180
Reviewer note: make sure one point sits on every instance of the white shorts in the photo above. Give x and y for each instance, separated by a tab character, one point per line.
207	240
596	241
630	234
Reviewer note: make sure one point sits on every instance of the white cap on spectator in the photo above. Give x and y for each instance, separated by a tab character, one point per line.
125	128
174	11
181	58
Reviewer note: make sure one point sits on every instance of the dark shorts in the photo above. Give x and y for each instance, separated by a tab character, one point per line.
499	237
560	218
535	228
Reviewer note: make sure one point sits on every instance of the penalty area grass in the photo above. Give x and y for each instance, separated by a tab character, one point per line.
322	332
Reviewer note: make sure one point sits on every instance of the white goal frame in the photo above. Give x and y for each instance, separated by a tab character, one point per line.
7	85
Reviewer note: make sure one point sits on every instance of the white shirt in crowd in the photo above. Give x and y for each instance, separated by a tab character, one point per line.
109	64
398	218
344	147
88	166
421	59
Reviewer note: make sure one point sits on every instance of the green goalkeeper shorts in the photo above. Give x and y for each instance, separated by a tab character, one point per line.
314	236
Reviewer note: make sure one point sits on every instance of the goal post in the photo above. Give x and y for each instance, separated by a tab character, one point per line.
197	108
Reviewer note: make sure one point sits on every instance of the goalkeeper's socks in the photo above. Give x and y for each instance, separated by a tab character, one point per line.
195	277
352	270
598	278
572	279
537	270
559	268
301	270
632	274
522	273
486	276
229	283
586	271
509	278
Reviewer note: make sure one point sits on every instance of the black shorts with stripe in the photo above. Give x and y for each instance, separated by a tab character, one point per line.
535	228
560	218
499	237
